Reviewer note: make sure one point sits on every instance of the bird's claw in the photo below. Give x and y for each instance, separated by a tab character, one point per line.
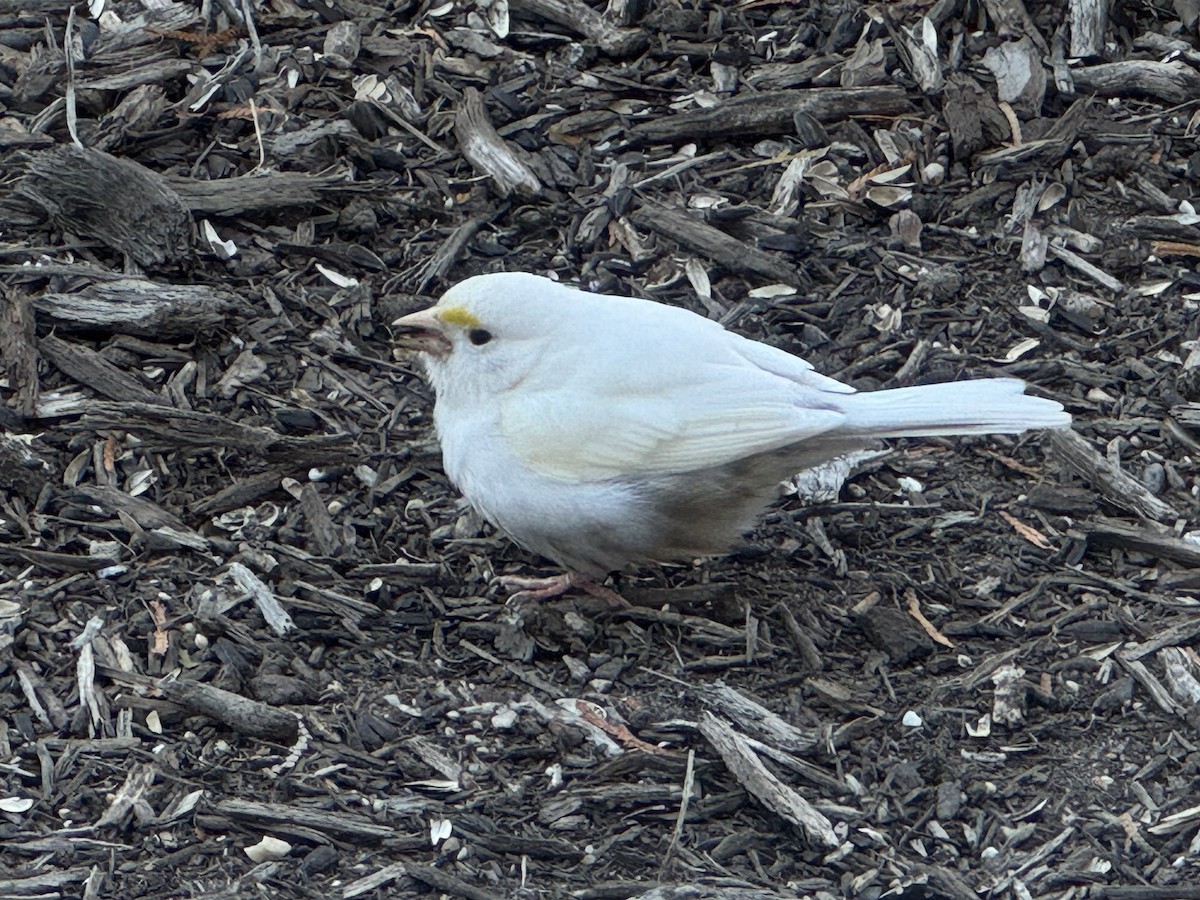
542	589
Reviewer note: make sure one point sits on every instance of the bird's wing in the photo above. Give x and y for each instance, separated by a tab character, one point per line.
785	365
658	416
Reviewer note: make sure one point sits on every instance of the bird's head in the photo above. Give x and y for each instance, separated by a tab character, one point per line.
486	333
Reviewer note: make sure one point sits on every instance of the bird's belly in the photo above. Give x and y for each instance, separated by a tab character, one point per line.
590	527
597	527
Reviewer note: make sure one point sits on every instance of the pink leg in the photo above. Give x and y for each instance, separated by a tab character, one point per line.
538	589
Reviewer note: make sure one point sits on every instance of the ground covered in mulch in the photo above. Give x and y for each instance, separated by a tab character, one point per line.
251	643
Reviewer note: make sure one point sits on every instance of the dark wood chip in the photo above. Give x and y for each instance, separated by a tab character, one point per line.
240	600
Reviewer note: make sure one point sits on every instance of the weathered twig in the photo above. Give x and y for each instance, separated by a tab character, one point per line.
721	248
772	112
137	306
116	201
1174	82
1118	488
582	19
487	151
756	778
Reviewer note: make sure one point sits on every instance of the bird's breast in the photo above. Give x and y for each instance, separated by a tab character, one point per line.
589	526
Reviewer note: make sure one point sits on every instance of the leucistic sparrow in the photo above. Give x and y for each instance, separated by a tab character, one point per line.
602	431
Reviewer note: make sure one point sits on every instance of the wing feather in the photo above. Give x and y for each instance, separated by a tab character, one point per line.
786	365
715	416
667	392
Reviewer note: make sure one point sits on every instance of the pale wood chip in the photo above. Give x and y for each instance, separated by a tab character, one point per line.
1028	532
914	610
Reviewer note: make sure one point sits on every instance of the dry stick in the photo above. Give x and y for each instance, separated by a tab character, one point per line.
137	306
18	352
1142	540
1174	82
371	884
451	250
151	73
582	19
483	147
1180	634
1089	20
89	368
689	780
266	192
252	30
1117	487
772	112
252	718
714	244
349	826
69	54
1094	272
756	720
1159	694
268	604
258	138
763	785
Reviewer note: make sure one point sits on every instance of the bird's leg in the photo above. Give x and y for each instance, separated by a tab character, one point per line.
538	589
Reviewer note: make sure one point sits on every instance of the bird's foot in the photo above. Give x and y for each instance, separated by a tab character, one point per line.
540	589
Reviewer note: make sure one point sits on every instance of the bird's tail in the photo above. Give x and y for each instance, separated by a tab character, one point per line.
987	406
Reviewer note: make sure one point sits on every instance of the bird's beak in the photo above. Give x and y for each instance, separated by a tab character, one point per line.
422	331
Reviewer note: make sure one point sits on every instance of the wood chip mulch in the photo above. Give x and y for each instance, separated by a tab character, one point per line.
252	645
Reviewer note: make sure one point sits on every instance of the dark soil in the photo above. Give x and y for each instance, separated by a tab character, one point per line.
239	599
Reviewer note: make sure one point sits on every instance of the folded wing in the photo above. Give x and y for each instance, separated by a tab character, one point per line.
648	413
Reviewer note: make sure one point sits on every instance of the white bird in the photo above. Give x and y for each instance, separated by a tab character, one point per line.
602	431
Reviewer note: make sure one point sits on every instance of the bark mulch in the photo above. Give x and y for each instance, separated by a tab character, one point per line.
251	643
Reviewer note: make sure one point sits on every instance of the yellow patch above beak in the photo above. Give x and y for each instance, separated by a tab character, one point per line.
457	315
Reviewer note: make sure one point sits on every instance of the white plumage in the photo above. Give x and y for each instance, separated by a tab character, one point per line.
601	431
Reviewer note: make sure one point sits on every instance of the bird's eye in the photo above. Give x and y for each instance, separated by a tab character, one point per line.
479	336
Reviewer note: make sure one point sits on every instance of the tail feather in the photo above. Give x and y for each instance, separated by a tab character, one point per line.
987	406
